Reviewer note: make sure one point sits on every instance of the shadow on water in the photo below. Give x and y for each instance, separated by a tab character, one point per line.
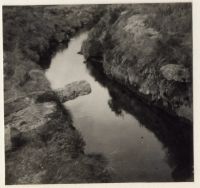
175	135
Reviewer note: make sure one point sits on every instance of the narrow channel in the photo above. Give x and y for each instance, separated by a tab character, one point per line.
137	147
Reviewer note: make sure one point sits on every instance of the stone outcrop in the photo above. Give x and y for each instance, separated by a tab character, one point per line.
153	64
73	90
39	135
29	115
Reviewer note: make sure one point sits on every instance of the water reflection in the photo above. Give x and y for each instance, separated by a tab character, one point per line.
140	143
175	135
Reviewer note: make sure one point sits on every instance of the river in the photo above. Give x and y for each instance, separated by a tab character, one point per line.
140	144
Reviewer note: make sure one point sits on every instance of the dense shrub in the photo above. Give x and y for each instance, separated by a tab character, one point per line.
33	28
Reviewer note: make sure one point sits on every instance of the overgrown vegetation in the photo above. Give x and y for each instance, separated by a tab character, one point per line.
137	40
51	147
35	29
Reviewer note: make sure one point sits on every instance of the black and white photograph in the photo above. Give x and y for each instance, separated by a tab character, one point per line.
98	93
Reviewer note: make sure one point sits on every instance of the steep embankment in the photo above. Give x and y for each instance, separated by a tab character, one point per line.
42	145
147	48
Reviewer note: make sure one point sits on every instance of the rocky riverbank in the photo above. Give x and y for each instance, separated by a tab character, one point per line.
129	43
147	48
41	144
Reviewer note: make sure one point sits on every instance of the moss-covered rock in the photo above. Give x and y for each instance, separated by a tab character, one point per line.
73	90
153	61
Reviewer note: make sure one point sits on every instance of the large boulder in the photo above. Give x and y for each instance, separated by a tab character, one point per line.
155	64
73	90
92	49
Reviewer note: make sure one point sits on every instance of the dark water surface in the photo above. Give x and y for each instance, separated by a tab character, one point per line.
139	142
